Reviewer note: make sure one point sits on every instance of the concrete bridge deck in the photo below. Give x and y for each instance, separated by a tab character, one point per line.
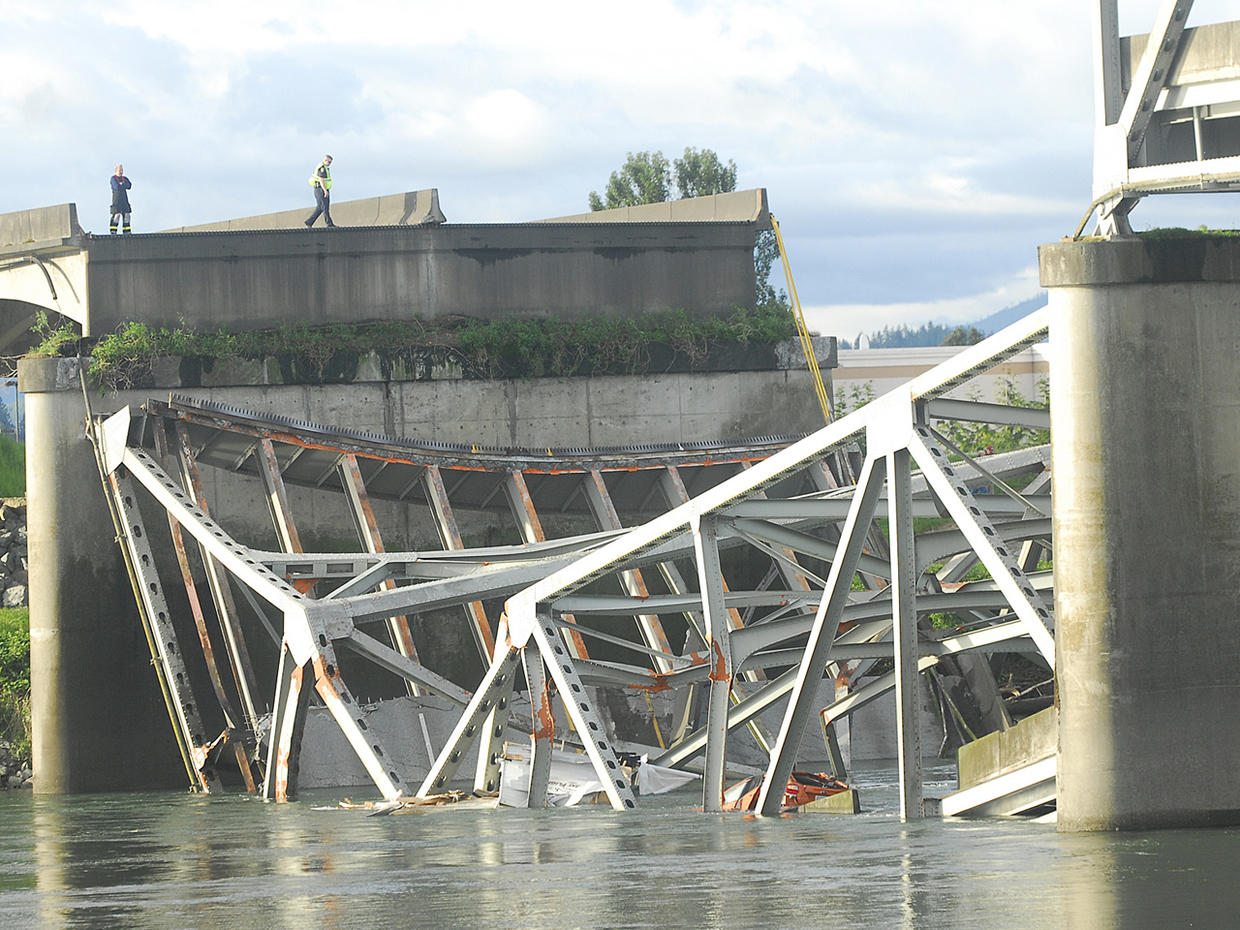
262	272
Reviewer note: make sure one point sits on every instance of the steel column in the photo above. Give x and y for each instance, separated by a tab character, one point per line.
719	658
221	593
155	607
450	536
605	515
822	635
368	532
904	633
581	712
542	737
496	684
288	723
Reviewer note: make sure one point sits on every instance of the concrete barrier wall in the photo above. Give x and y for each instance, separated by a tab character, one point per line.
1145	410
255	280
414	208
735	207
40	225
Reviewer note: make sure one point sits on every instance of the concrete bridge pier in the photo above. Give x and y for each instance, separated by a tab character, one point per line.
99	721
1145	406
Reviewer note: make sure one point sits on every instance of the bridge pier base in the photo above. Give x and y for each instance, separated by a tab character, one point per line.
1145	406
99	722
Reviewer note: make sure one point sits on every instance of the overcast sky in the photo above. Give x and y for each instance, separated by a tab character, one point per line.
916	154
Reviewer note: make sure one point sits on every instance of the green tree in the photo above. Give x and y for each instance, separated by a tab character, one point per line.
645	177
962	336
701	173
765	251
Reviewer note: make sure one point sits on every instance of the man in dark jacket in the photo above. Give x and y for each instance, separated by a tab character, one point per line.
120	200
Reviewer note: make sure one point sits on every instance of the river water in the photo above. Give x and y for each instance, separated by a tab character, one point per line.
185	861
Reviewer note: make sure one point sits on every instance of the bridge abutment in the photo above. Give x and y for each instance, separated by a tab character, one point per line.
1145	402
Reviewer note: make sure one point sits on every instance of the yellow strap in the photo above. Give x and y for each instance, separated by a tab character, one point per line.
807	344
658	734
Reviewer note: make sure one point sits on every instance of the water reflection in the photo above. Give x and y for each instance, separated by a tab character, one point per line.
169	860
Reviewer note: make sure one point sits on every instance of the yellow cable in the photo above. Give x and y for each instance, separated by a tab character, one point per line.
807	344
658	734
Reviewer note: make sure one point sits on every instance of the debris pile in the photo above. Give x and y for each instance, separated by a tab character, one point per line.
14	772
14	573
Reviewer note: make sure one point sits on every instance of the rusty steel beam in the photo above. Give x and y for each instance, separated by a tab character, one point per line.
542	738
240	743
277	497
225	606
155	607
649	625
368	533
288	721
450	536
530	526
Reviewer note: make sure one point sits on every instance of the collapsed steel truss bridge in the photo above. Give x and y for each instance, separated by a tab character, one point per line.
839	590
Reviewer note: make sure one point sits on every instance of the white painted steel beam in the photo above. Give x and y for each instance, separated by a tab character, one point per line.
822	636
1150	75
904	619
718	659
542	737
991	548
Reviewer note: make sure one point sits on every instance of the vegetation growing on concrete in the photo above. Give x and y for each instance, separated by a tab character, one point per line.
12	467
53	341
15	680
507	348
646	177
1179	232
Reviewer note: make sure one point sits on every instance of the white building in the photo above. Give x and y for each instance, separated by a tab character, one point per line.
865	373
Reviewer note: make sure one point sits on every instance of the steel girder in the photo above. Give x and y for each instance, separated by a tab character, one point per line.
778	507
1183	78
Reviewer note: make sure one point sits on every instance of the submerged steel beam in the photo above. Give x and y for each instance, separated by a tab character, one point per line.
904	619
719	659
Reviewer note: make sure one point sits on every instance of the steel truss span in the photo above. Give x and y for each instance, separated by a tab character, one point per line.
734	578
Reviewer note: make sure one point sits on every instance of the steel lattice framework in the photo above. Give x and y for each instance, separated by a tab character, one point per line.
840	594
1166	125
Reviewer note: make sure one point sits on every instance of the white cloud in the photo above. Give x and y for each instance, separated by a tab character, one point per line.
505	123
915	153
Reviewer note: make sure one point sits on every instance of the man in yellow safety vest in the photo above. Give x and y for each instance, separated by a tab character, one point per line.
321	181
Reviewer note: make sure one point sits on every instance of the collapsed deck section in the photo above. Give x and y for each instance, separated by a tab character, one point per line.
764	589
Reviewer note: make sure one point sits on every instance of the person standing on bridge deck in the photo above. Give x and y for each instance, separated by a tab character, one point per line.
321	181
120	200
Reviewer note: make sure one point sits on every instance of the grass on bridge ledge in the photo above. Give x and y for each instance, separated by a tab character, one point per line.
484	349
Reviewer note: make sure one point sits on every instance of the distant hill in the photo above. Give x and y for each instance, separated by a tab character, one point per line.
933	334
1009	315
